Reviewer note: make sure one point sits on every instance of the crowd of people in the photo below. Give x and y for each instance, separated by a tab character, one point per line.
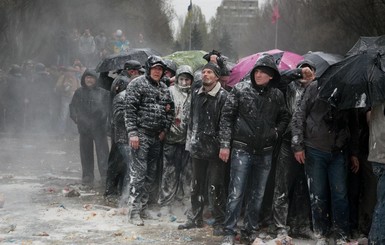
217	146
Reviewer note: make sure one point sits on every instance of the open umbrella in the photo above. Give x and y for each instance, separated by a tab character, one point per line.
116	61
357	81
285	60
322	60
367	43
193	58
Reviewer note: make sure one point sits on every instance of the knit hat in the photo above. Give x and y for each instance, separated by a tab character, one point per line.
214	67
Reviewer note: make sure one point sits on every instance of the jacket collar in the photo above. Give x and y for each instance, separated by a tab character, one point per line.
213	91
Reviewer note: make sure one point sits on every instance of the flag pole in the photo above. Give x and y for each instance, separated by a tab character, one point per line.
189	10
276	34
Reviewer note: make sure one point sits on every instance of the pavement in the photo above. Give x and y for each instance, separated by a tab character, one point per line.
42	201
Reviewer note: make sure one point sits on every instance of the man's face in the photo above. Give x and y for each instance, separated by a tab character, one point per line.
90	81
168	74
133	72
261	78
156	72
208	77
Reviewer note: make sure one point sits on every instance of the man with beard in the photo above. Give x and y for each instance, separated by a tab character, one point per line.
206	104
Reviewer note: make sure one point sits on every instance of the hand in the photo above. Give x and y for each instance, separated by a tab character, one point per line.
355	164
224	154
213	58
308	74
134	142
162	135
300	156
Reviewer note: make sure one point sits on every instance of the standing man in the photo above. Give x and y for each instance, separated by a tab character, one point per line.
206	104
377	158
89	109
149	115
253	118
118	158
290	181
320	134
131	70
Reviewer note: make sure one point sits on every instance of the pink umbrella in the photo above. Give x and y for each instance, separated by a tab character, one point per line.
284	59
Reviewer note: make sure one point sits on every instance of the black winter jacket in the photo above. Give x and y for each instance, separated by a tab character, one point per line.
89	107
253	116
204	122
148	106
316	124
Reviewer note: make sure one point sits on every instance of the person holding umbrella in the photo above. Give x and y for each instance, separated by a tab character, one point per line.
320	133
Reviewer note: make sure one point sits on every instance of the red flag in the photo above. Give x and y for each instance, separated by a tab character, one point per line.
275	16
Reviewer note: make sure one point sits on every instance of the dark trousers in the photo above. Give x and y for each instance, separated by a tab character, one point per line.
87	141
142	171
327	179
117	176
362	197
209	172
290	190
248	174
175	162
377	231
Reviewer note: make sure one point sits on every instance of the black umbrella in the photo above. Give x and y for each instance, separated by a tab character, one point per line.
322	60
358	81
367	43
116	61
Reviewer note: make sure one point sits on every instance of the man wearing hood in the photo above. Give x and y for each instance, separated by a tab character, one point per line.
253	118
89	109
207	100
148	117
175	157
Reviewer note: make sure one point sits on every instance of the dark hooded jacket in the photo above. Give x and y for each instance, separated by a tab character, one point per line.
254	115
118	107
89	107
318	125
148	106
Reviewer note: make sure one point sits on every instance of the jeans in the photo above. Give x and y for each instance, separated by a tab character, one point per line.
327	177
377	231
249	172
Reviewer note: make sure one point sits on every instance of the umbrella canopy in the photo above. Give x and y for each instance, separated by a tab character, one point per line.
358	81
367	43
322	60
116	61
285	60
193	58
